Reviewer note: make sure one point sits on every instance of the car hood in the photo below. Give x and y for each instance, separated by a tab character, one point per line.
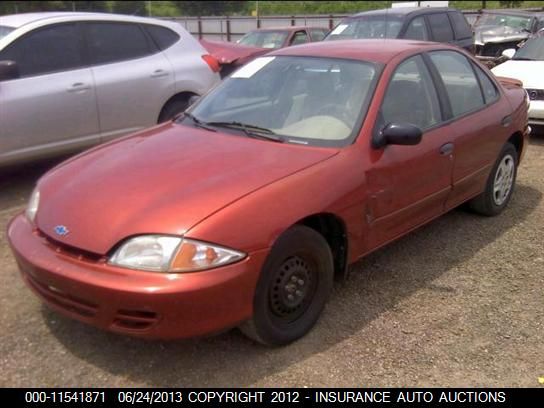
497	34
164	180
227	53
528	72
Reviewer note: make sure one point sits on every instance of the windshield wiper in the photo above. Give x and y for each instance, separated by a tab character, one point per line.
523	59
198	122
251	130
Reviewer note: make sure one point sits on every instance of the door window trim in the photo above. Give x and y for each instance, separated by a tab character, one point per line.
81	48
151	46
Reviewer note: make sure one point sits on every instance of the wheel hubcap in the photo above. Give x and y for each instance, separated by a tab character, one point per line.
292	289
504	178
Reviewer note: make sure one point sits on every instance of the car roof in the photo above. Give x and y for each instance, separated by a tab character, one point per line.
375	50
19	20
512	12
287	28
403	11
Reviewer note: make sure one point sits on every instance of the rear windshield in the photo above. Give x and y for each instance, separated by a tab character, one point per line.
381	26
5	30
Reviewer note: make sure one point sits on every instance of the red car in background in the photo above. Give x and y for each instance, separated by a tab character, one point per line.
241	212
231	56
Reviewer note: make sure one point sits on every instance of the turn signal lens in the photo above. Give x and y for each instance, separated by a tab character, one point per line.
195	256
33	203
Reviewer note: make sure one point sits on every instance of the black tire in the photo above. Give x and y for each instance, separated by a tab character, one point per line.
295	283
490	203
172	108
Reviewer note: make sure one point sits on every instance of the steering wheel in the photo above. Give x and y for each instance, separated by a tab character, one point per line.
337	111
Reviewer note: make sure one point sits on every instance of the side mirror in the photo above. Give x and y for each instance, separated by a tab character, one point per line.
509	53
399	134
8	70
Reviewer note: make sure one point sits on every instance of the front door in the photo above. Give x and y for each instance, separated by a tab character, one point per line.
51	107
408	185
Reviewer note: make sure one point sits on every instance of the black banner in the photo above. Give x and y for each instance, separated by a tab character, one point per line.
124	397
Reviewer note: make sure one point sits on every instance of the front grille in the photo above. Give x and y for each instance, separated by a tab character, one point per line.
69	250
536	94
62	299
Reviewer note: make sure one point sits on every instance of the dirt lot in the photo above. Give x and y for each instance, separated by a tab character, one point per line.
457	303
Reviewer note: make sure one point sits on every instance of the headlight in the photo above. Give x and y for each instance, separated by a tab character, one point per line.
171	254
33	204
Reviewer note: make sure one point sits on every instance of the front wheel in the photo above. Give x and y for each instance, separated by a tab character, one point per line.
500	184
293	288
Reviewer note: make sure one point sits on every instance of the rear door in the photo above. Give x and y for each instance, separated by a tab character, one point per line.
133	78
478	124
51	107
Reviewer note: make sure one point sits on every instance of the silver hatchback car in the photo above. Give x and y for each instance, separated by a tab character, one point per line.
72	80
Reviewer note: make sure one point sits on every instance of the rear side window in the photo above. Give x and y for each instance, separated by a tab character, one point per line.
317	34
163	37
300	38
46	50
440	27
417	30
460	26
112	42
490	91
461	83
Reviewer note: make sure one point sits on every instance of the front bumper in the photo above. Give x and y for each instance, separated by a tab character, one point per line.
143	304
536	113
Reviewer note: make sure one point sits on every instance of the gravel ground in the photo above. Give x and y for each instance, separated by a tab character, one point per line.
457	303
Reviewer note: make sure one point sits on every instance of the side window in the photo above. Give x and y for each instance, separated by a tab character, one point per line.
490	91
458	77
112	42
163	37
411	96
460	25
417	30
440	27
46	50
300	37
318	34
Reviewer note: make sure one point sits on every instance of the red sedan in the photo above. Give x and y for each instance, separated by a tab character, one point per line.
241	212
232	56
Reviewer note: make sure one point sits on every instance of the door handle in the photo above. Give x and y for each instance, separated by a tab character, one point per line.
159	73
78	87
505	122
446	149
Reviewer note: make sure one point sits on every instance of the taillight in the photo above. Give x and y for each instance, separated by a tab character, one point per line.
212	62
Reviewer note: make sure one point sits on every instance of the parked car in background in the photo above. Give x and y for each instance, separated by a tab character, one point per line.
498	30
72	80
241	211
527	65
231	56
445	25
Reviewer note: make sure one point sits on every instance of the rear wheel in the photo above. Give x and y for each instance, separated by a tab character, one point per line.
294	286
500	184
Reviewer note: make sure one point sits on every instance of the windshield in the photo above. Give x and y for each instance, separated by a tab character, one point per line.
5	30
264	39
382	26
305	100
519	22
532	50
